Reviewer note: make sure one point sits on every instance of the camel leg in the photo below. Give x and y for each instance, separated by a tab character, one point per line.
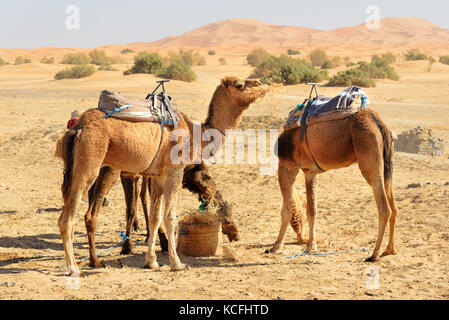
97	192
311	184
154	223
130	188
172	187
286	178
383	207
394	210
145	190
83	174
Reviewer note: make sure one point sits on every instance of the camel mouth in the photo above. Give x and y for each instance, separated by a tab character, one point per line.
252	84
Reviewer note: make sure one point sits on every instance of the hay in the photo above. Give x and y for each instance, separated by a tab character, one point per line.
229	254
196	216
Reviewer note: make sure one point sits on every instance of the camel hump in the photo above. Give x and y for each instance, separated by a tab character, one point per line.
150	110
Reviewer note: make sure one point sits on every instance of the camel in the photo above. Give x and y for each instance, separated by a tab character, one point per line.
196	179
336	144
142	148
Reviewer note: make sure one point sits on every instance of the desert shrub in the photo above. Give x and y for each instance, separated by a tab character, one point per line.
222	61
2	62
107	68
46	60
328	64
336	61
99	58
388	57
288	71
444	59
414	54
189	57
75	58
76	72
21	60
257	56
179	70
318	57
145	62
346	60
292	52
127	50
351	64
364	74
211	52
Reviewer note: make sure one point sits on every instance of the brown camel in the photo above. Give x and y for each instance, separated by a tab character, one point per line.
337	144
196	179
134	147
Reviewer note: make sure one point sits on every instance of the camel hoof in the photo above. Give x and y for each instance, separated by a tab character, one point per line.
311	249
97	264
273	250
388	253
152	266
372	259
181	267
72	271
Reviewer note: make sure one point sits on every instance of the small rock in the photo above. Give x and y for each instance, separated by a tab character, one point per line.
8	284
371	294
280	298
447	183
414	185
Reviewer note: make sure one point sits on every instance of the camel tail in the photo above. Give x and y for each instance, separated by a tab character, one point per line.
388	152
66	150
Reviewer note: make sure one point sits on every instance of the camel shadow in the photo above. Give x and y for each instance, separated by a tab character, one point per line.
41	242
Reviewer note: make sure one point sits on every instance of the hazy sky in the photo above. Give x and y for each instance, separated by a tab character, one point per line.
38	23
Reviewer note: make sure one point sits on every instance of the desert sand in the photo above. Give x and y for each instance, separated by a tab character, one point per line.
34	110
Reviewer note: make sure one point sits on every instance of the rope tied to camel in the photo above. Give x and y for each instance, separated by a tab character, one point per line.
122	235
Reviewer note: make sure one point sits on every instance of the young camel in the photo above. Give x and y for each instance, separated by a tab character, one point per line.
133	147
196	179
337	144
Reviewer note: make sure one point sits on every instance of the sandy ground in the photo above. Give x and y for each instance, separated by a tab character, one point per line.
34	110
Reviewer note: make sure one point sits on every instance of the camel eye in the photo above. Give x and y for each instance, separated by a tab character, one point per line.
239	86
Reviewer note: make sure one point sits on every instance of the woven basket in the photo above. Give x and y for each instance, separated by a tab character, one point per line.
199	238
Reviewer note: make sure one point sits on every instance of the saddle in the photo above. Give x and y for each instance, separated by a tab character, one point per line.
157	108
322	108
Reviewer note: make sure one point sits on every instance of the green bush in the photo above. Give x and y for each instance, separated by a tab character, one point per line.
415	54
189	57
99	58
145	62
46	60
444	59
222	61
127	50
2	62
75	58
364	74
288	71
21	60
107	68
211	52
257	56
318	57
328	64
292	52
179	70
76	72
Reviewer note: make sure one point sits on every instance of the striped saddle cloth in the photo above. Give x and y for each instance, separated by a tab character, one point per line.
324	108
156	109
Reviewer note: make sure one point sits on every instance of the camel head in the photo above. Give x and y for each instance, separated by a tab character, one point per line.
231	98
228	225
